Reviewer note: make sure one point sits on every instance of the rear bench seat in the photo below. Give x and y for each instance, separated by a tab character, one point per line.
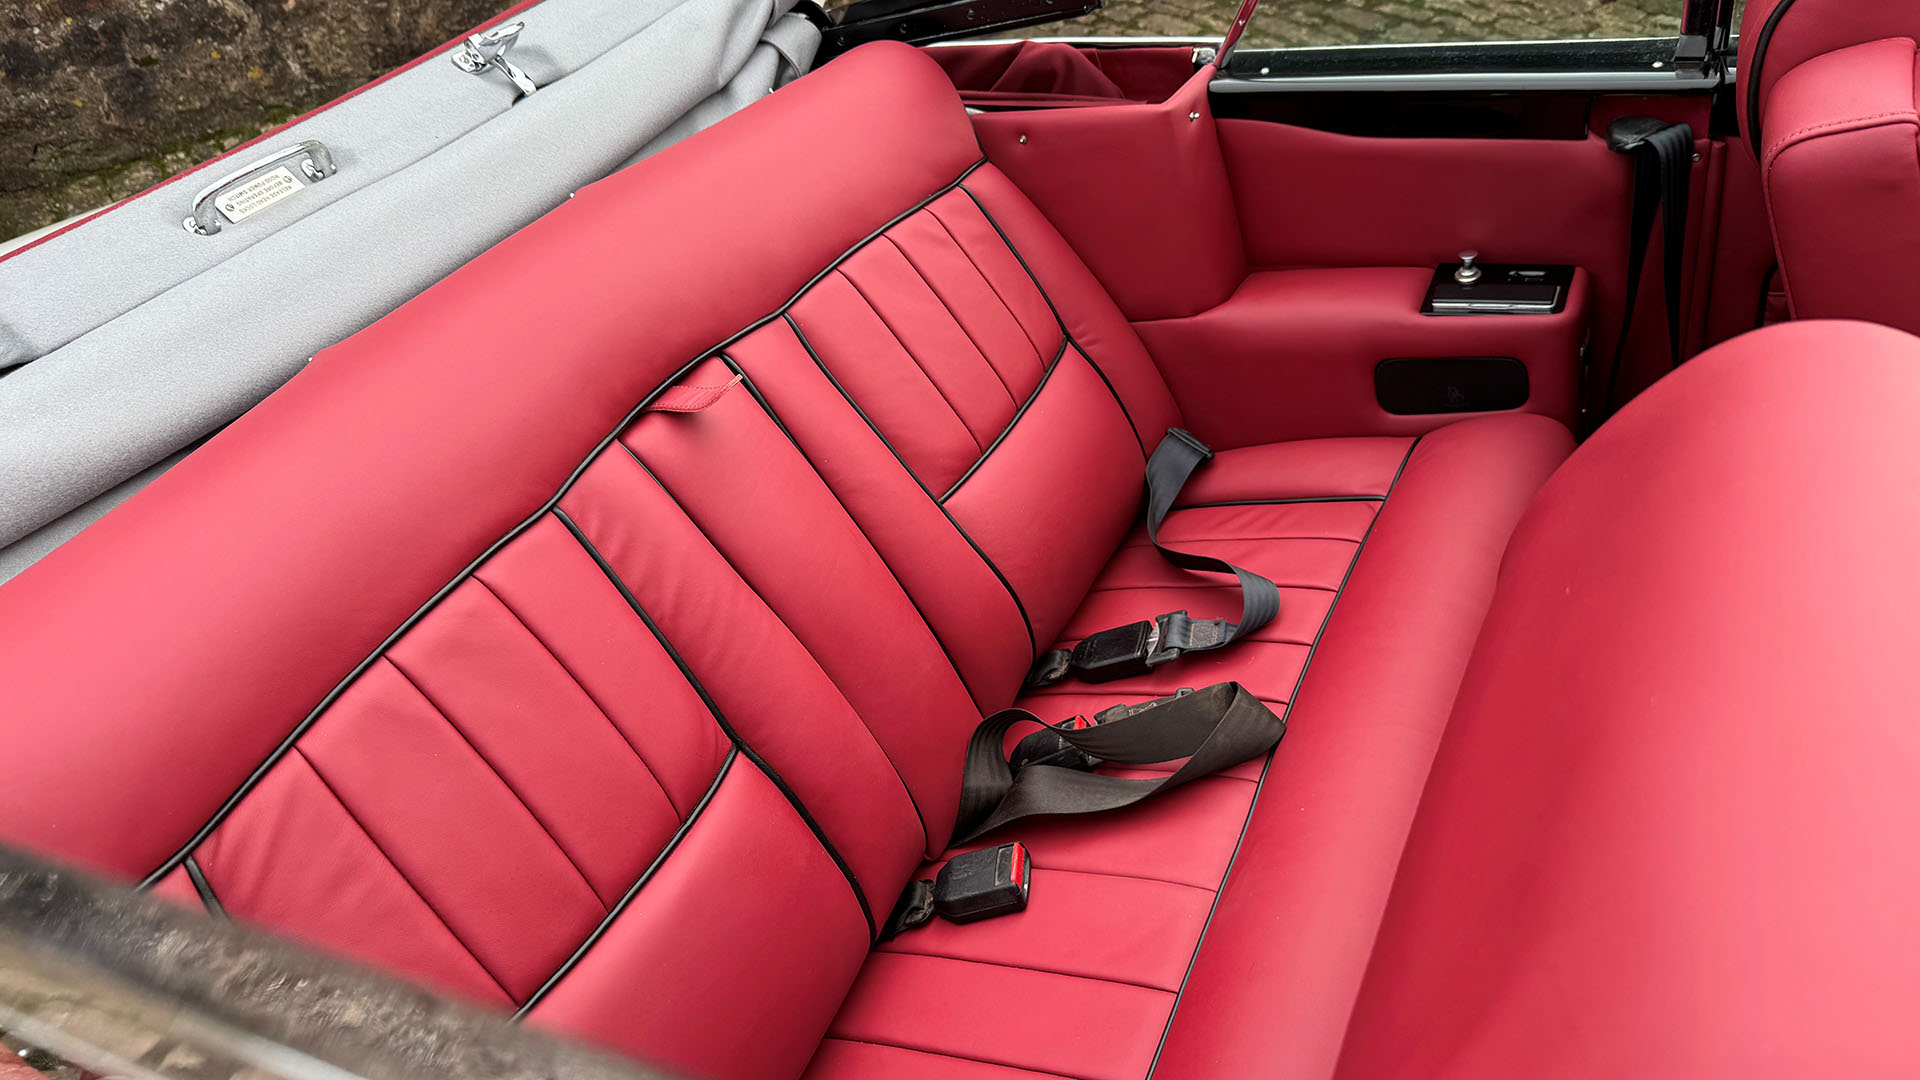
597	637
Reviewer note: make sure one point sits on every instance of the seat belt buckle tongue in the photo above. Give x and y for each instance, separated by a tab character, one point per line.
1046	747
1120	712
1119	653
982	884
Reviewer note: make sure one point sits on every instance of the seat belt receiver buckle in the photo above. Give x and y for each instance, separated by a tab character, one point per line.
982	884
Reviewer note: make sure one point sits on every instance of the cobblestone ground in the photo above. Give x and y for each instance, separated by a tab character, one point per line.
1291	23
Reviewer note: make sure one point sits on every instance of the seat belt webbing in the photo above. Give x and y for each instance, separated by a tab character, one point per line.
1214	728
1136	647
1662	169
1172	464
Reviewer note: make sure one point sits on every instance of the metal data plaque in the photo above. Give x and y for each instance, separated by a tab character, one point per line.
253	187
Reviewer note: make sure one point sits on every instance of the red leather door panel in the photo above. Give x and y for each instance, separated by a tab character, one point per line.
1189	272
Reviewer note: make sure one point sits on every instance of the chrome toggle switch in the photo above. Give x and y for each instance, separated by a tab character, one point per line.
1468	273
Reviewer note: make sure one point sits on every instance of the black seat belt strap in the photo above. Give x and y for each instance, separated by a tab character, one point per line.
1662	169
1212	728
1133	649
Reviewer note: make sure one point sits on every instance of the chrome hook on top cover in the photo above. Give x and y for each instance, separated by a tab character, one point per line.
488	49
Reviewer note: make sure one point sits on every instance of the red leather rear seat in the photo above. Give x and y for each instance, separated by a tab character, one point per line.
1406	538
646	759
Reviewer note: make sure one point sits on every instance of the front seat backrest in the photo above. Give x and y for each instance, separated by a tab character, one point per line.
1827	104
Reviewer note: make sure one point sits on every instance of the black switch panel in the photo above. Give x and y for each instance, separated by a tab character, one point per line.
1452	384
1500	290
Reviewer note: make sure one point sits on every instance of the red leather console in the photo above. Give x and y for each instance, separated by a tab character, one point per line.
614	668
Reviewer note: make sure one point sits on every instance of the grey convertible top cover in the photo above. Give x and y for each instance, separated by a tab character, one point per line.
128	340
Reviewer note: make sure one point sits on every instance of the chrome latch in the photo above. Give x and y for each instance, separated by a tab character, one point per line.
252	188
488	49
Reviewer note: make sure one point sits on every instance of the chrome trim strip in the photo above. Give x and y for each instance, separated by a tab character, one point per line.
1494	43
1214	39
1103	41
1495	307
1663	81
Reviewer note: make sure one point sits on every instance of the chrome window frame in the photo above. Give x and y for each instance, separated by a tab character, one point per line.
1663	64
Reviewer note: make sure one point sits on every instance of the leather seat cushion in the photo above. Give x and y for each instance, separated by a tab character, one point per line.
1385	551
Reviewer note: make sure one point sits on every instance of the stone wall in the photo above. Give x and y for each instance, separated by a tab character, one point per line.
100	99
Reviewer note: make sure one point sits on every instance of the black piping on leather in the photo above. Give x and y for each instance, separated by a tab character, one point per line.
1283	502
1068	334
668	492
1261	785
720	718
461	734
300	729
633	890
1045	377
203	887
1756	63
767	407
1033	645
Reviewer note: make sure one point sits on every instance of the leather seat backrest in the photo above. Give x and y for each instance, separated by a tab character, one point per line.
1649	846
1827	92
613	666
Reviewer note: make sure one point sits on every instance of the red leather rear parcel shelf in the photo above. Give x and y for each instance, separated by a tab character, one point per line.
646	759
